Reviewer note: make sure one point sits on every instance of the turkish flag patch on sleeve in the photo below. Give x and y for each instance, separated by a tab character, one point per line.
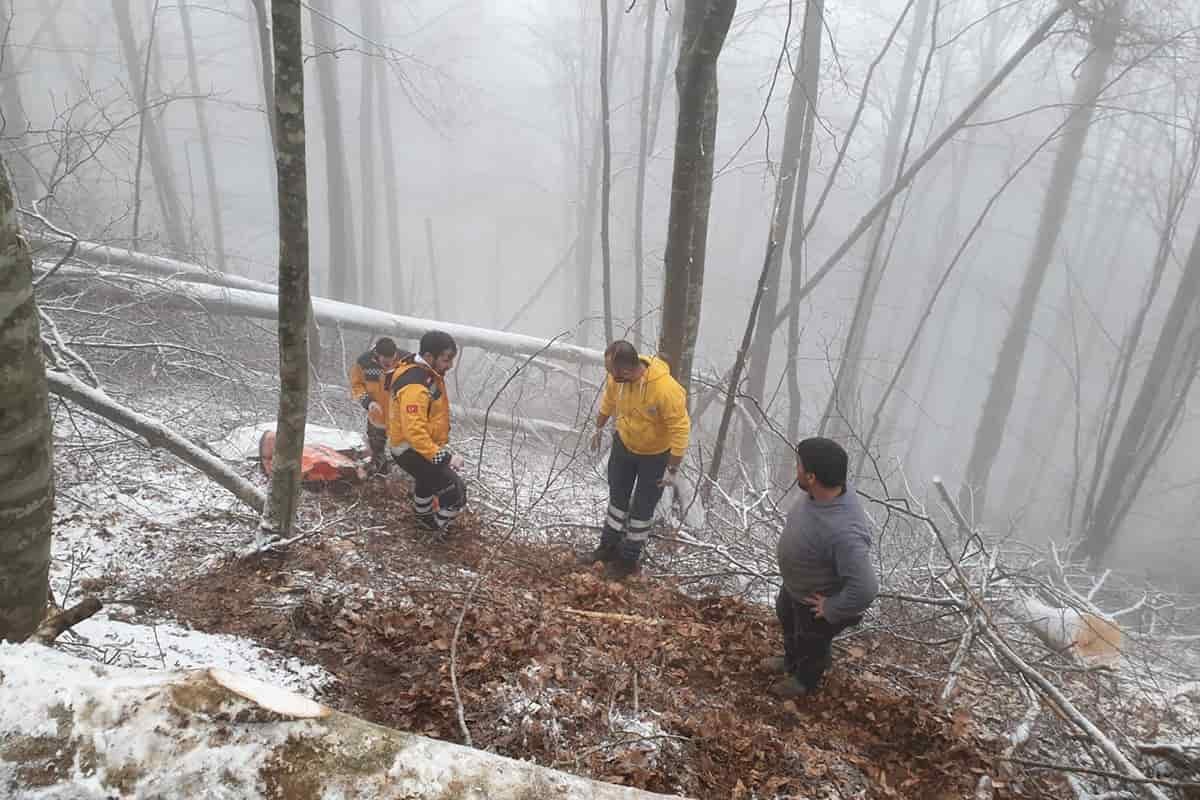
412	409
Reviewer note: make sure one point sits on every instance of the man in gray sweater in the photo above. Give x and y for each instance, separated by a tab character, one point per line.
824	560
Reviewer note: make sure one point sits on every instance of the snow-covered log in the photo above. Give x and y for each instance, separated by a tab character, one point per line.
257	300
157	434
1092	639
74	728
101	255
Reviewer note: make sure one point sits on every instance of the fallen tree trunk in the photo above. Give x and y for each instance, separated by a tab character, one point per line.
259	304
101	255
102	731
157	434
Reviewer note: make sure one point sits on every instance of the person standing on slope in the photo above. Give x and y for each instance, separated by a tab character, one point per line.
370	386
824	557
652	435
419	431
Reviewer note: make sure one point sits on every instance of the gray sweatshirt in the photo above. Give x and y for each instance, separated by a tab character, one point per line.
825	548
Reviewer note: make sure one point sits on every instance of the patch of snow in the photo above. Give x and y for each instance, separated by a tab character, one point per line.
167	645
641	731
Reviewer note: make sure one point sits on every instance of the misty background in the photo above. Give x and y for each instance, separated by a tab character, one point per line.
488	113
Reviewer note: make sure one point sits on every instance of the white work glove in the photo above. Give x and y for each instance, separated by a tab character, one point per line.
668	477
374	408
457	462
597	440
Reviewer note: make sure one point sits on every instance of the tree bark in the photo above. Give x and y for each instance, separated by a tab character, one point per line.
810	72
989	432
368	167
209	733
735	378
157	434
639	203
342	263
1154	415
155	144
842	410
26	447
434	272
705	26
266	62
13	133
792	184
283	498
210	166
589	189
391	185
605	175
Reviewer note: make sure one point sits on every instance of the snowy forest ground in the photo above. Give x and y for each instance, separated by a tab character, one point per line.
652	682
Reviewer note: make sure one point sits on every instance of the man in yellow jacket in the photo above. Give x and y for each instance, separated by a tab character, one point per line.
419	431
370	386
652	435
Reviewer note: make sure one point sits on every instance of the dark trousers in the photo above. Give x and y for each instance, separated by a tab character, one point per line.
377	441
807	640
633	494
433	480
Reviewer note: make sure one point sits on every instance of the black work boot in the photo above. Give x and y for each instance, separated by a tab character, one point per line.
601	555
608	550
428	521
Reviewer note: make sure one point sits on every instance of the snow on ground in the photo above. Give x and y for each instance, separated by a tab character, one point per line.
126	520
167	645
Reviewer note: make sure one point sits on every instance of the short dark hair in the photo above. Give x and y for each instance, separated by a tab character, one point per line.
385	347
438	342
622	353
824	458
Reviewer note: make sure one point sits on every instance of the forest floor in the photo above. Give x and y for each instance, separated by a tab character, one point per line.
638	682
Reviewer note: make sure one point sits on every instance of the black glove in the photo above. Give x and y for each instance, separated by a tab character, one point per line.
365	401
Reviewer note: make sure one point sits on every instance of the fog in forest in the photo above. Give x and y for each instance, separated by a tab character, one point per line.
1021	318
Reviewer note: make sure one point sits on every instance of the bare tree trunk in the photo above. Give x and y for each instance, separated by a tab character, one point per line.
14	124
1154	415
810	71
960	171
210	167
266	63
368	169
283	498
739	362
989	432
434	272
26	447
639	209
155	146
260	44
590	184
391	185
705	25
842	411
1106	232
342	263
792	183
605	175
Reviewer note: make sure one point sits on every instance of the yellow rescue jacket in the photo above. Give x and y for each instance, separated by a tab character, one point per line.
420	415
369	383
651	412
